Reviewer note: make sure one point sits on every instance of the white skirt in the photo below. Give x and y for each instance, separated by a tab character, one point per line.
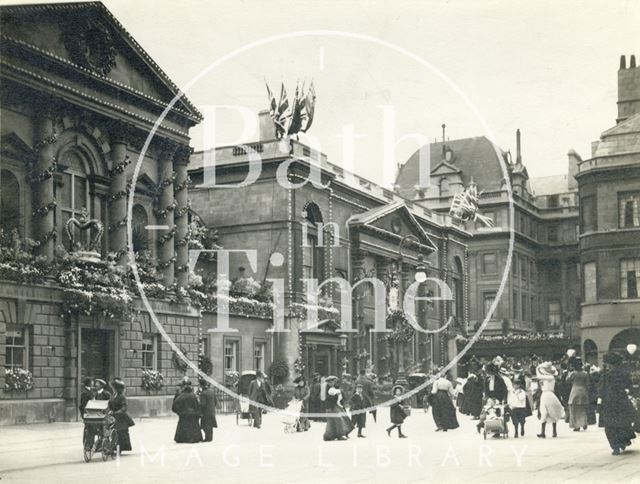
550	407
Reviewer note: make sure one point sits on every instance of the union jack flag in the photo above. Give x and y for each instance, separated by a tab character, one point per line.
464	206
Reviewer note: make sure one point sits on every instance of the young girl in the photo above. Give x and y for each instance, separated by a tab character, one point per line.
397	412
550	408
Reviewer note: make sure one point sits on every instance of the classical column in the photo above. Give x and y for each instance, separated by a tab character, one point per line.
118	191
164	208
181	216
41	179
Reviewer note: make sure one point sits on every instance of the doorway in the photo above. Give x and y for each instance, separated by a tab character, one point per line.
96	355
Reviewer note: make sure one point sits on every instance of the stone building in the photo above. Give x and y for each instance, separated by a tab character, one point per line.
79	97
609	190
348	228
541	290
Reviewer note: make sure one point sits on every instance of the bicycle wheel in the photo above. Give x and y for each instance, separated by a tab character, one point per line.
109	445
87	445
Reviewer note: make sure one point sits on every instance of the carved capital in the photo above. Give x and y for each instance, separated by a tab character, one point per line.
182	155
166	149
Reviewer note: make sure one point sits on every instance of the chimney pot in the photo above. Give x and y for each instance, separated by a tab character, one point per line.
518	156
632	62
623	62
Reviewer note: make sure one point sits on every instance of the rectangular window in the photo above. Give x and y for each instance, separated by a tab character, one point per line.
523	268
259	351
629	278
629	209
590	286
489	298
231	355
489	264
525	309
516	313
553	201
588	214
552	233
534	309
554	314
16	347
149	352
307	258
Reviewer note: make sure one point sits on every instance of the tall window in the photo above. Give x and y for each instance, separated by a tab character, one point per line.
72	194
554	314
139	233
489	264
515	299
629	209
444	187
590	286
629	278
150	352
231	355
308	266
489	298
259	351
553	201
458	291
16	347
9	201
552	233
523	268
588	214
525	309
313	250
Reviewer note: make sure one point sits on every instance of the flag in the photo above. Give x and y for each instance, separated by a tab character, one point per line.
309	105
282	115
296	113
273	105
464	206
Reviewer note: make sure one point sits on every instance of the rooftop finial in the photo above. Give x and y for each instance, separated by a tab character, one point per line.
518	156
623	62
632	62
444	126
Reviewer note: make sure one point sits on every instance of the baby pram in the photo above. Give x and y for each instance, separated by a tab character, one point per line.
291	416
496	422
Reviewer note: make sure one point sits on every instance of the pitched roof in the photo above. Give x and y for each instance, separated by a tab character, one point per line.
101	9
476	157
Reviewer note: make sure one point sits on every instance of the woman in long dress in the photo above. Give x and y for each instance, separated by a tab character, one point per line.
549	409
118	406
188	409
472	404
339	425
444	413
579	397
616	410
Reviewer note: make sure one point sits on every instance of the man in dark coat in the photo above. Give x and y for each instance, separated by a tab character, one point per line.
100	393
359	401
207	410
367	390
188	409
259	392
86	394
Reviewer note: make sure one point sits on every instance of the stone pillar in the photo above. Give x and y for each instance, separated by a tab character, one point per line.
41	179
181	216
118	195
164	211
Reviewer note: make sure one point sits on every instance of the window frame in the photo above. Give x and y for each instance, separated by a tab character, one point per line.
624	278
260	343
484	264
72	210
153	351
629	197
25	346
585	281
486	296
236	343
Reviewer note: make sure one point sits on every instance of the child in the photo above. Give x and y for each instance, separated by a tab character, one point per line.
359	402
488	412
397	412
517	400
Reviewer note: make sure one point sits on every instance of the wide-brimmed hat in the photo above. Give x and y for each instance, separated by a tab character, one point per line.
547	368
298	379
594	369
118	383
101	381
331	378
393	389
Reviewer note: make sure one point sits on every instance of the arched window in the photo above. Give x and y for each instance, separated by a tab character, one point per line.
72	193
139	233
590	352
444	187
9	201
313	246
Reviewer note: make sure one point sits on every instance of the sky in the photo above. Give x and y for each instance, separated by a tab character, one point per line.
548	68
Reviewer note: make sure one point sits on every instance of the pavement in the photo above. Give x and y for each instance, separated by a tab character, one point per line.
241	454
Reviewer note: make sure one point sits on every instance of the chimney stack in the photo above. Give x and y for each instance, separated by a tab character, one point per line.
628	89
267	128
518	154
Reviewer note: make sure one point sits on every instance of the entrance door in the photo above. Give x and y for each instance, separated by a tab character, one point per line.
322	364
97	347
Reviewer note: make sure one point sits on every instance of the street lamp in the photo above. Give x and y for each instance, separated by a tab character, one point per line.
631	348
421	270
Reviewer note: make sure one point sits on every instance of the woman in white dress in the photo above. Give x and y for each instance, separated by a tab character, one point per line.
550	409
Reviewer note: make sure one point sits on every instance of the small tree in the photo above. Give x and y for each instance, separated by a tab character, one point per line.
279	371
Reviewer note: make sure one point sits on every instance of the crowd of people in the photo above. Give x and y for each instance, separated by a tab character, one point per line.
499	394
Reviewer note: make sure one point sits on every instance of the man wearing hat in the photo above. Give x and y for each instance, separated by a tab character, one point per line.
259	393
100	393
207	410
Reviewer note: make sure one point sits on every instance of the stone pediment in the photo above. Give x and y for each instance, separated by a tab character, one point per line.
445	168
393	221
13	146
86	38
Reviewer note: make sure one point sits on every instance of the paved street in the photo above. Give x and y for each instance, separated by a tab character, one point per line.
52	453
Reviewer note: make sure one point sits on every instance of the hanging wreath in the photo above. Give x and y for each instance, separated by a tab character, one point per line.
120	167
178	362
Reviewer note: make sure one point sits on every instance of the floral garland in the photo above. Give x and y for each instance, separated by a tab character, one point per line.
51	235
120	167
163	239
17	380
18	262
162	213
183	185
47	140
118	224
182	268
402	332
45	209
300	310
181	212
43	175
119	194
152	380
165	264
